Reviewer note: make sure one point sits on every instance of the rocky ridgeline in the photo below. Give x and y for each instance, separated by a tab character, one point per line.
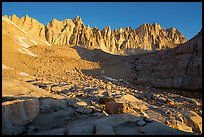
180	67
94	107
120	41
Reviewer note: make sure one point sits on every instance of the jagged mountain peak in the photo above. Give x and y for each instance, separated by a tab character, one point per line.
171	28
54	22
153	25
117	41
77	19
14	16
5	16
27	16
107	28
156	25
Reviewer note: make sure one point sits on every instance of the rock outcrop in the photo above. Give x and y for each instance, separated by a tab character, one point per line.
120	124
119	41
180	67
17	113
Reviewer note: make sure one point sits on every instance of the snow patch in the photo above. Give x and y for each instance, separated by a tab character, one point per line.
21	51
35	42
26	51
109	78
23	74
22	43
5	67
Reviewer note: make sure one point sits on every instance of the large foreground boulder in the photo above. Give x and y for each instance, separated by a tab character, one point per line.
17	113
193	120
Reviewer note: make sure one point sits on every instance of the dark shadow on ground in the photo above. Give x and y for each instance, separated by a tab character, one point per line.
121	67
115	66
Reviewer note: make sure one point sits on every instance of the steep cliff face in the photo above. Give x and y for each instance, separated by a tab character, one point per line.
180	67
120	41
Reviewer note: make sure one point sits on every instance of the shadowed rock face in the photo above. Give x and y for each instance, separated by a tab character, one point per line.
17	113
120	41
180	67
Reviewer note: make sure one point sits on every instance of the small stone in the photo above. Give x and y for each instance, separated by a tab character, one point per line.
114	107
108	87
183	127
167	122
141	123
153	107
170	102
141	96
117	92
113	94
81	103
56	88
154	97
148	96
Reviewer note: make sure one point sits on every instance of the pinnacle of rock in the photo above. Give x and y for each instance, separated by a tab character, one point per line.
77	19
14	18
156	25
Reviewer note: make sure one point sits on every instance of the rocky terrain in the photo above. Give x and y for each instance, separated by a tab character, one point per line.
71	90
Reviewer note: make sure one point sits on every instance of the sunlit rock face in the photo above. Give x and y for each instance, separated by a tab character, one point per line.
124	41
30	25
180	67
119	41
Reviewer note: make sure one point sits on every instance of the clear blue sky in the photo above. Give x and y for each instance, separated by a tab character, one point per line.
185	16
